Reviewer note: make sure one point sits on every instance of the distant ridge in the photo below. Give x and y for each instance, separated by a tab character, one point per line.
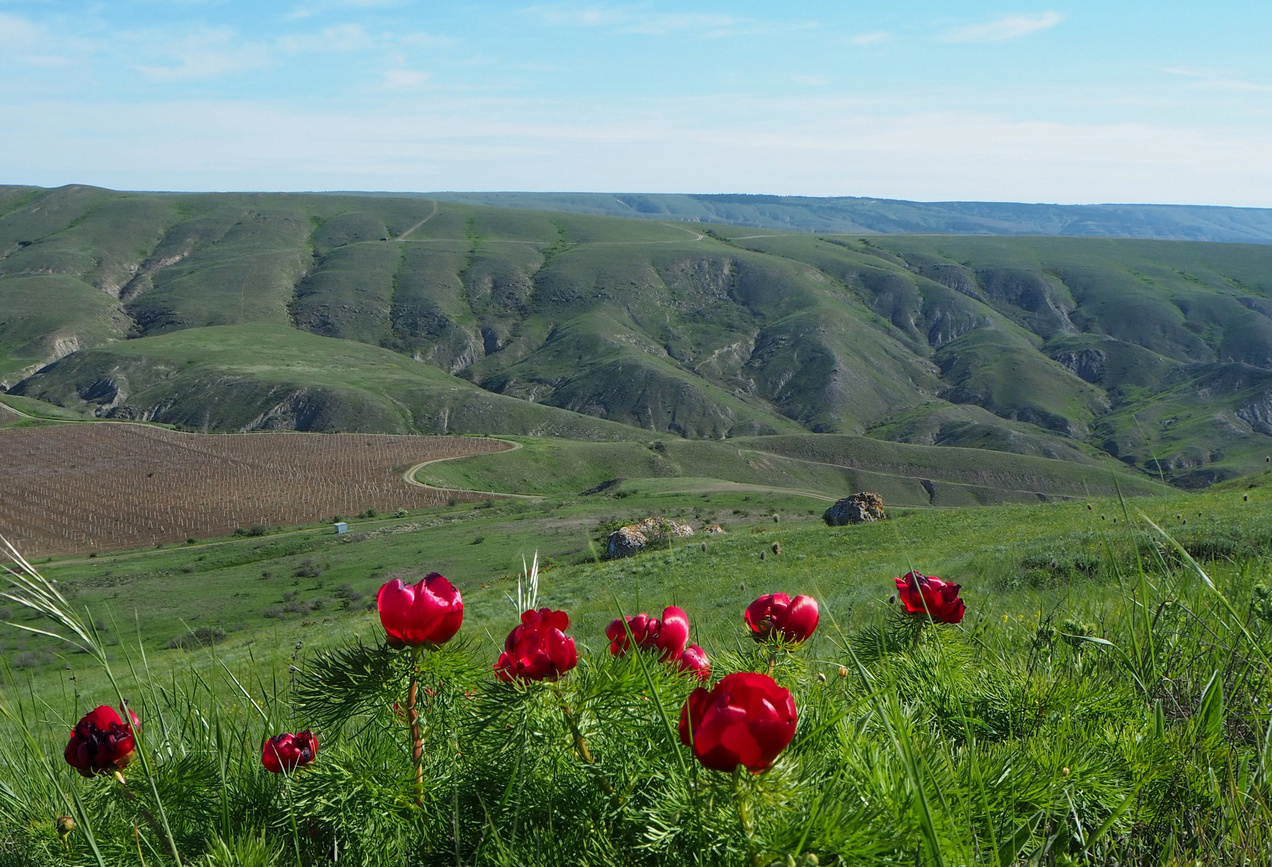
852	215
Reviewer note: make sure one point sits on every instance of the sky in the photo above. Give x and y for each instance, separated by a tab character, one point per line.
1066	102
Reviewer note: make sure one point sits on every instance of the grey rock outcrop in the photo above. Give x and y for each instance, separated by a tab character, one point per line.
860	508
628	540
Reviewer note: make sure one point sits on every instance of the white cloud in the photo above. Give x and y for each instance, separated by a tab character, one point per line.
405	79
871	38
810	146
626	20
341	37
26	43
315	8
206	54
1004	29
1220	79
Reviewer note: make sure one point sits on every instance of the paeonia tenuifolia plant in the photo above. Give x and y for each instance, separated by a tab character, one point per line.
419	616
667	635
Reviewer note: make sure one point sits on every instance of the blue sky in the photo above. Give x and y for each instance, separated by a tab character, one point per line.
1056	102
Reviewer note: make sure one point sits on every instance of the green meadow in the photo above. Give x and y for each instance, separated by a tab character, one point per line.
1103	701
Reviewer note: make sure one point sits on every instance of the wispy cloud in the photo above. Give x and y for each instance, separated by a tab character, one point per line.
27	43
313	8
1004	29
630	20
505	144
206	54
871	38
1220	79
405	79
342	37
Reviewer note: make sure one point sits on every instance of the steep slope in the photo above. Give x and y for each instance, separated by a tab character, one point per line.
265	377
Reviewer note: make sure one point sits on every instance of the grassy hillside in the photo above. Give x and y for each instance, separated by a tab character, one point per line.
825	466
263	377
324	312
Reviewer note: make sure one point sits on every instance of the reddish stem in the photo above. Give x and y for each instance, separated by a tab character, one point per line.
417	740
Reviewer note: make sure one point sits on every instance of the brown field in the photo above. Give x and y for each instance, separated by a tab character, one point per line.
73	489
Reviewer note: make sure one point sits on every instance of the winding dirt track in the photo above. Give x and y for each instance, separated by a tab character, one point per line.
409	477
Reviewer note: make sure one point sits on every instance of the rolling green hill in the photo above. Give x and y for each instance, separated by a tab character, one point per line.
340	312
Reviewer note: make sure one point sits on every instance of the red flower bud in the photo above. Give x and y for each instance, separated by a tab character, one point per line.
429	612
538	648
65	825
746	720
101	743
924	595
792	619
287	752
694	659
668	634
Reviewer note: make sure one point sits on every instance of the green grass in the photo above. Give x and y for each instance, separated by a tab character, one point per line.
1075	708
232	377
822	465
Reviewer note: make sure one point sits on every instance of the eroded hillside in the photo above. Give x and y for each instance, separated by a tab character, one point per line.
317	312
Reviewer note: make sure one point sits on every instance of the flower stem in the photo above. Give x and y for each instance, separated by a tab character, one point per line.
413	715
580	745
744	814
141	808
291	812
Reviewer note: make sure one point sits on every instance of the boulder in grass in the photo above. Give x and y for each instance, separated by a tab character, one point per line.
628	540
624	542
860	508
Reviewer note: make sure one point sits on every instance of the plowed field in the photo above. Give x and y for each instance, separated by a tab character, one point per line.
100	487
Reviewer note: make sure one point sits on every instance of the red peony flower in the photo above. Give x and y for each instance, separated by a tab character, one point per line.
792	619
429	612
287	752
746	720
694	659
101	743
538	648
925	595
668	634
